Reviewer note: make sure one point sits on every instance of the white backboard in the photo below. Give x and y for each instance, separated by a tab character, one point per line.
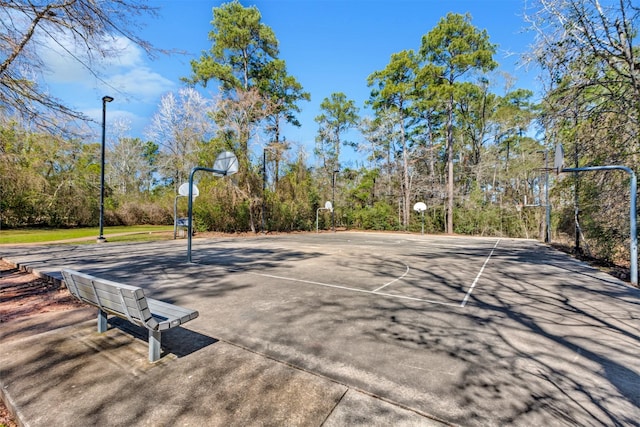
183	190
420	207
227	162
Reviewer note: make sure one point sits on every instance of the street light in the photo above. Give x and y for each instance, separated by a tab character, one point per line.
105	99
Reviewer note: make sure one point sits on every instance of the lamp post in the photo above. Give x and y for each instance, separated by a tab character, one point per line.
105	99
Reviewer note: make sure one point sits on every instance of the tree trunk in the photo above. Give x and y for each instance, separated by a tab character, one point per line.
450	166
405	179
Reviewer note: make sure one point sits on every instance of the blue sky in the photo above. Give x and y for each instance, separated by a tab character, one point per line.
328	45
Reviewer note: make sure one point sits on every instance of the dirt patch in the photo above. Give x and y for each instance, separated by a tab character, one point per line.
620	270
23	294
6	419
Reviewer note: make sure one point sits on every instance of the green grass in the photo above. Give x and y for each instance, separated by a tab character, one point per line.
134	233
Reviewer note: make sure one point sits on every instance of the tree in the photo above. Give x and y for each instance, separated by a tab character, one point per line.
181	123
243	59
241	47
381	133
338	115
588	52
395	91
47	180
513	115
131	166
254	85
427	135
86	24
453	49
285	92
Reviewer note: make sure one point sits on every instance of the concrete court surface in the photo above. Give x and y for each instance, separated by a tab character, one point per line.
338	329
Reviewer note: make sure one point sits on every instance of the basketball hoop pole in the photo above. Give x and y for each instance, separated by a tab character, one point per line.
225	164
190	209
420	207
558	165
547	235
633	250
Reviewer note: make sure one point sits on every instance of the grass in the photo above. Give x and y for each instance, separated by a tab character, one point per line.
41	235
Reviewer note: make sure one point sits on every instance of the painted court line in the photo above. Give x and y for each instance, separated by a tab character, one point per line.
475	281
346	288
394	280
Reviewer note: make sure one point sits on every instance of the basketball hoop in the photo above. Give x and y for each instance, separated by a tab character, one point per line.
558	161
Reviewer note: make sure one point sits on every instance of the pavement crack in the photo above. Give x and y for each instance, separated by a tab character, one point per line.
335	406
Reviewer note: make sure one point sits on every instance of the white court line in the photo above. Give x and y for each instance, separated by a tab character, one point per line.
475	281
364	291
394	280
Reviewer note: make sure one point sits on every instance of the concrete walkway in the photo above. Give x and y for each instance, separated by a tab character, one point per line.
69	375
334	330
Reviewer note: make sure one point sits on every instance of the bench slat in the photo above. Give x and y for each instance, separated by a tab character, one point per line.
115	296
128	302
106	296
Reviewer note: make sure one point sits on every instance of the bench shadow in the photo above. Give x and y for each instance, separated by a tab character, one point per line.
178	341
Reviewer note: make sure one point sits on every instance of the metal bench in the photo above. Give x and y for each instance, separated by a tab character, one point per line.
127	302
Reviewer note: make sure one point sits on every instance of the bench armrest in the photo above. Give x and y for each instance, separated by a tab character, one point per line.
166	315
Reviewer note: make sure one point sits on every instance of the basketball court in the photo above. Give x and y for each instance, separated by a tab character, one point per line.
470	331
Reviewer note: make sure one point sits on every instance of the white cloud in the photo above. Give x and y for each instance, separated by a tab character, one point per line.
124	53
113	114
125	72
119	122
61	66
141	83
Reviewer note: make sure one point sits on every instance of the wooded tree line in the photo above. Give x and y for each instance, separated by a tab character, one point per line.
442	126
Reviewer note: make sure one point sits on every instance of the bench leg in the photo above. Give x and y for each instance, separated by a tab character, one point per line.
154	345
102	321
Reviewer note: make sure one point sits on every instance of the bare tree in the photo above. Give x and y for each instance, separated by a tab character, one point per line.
239	119
130	168
382	133
589	50
88	26
181	123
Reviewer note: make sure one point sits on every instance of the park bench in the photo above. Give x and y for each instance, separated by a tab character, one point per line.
127	302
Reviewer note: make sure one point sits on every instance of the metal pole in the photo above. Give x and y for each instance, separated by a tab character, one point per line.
633	230
333	200
190	208
576	205
175	217
264	183
105	99
547	237
190	214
